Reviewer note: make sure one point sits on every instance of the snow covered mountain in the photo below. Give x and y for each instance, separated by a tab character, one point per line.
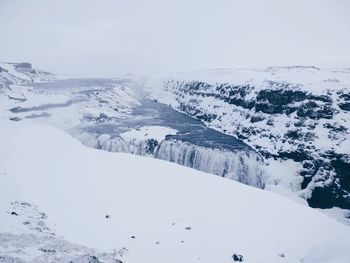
291	113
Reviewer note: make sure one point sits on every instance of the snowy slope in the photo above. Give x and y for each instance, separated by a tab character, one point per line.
21	73
290	113
157	211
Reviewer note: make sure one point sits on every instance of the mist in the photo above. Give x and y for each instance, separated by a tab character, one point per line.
114	37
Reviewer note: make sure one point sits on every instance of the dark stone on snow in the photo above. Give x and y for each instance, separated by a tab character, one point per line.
335	193
277	101
323	98
14	214
345	97
15	119
345	106
93	259
312	110
237	258
297	156
342	168
256	118
335	128
47	250
281	255
293	134
270	122
328	197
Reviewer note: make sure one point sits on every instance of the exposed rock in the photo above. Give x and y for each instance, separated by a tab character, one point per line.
237	258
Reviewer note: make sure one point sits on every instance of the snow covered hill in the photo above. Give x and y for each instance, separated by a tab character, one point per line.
63	202
21	73
290	113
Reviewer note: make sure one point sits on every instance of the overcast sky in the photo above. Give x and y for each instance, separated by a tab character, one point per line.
113	37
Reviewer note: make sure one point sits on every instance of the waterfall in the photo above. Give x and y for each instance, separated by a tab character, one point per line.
242	166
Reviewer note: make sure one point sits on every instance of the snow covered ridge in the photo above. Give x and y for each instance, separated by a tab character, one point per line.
115	207
296	113
21	73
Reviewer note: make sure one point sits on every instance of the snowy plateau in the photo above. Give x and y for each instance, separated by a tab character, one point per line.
208	166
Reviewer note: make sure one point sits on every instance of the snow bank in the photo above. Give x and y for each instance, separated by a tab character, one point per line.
173	213
157	133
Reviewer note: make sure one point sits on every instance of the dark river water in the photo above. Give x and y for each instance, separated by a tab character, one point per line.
149	114
190	130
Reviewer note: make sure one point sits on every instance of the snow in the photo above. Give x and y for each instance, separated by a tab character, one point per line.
311	79
10	68
148	132
155	201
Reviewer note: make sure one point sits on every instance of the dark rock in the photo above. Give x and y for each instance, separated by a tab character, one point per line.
17	99
277	101
93	259
257	118
188	228
329	197
345	97
23	65
293	134
281	255
47	250
299	123
336	192
14	214
15	119
237	258
323	98
335	128
306	179
345	106
312	110
297	156
270	122
342	168
108	216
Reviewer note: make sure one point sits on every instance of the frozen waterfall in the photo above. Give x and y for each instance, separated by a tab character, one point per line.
242	166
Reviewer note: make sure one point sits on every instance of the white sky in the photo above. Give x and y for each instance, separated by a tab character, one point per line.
113	37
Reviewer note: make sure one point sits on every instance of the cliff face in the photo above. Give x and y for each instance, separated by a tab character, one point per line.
296	113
